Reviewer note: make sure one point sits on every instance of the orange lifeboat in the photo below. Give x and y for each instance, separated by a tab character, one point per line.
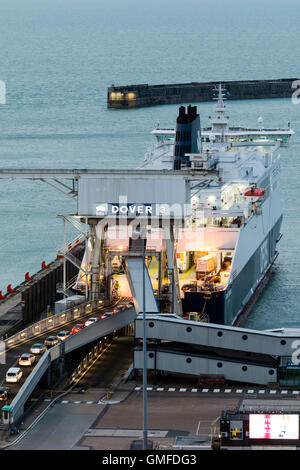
255	192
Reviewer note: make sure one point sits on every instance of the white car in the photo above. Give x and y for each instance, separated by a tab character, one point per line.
38	348
106	315
26	359
90	321
13	374
62	335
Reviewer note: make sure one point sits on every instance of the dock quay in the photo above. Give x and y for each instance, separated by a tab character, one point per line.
138	96
27	301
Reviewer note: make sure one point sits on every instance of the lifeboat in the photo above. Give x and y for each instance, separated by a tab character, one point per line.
255	192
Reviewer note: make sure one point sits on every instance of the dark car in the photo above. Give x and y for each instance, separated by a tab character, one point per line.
118	308
3	393
51	341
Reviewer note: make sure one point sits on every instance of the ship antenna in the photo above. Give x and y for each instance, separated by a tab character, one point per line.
219	121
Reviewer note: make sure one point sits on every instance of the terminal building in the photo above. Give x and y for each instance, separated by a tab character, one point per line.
261	424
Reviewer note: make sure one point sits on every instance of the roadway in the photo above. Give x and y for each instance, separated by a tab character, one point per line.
113	362
78	411
13	354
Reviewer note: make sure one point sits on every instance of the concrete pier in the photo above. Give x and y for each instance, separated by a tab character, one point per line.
32	297
137	96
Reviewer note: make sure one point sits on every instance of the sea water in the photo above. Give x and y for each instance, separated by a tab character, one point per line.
57	59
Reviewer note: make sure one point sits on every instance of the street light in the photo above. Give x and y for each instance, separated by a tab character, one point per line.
145	398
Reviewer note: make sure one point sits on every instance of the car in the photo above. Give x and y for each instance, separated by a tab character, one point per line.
51	341
106	315
130	304
77	328
90	321
119	308
38	348
188	287
3	393
26	359
62	335
13	374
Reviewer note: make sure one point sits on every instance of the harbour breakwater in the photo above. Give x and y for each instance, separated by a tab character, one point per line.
137	96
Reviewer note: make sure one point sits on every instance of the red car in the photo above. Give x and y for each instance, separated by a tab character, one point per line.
77	328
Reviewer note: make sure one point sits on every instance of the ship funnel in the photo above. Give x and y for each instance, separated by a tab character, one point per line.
187	137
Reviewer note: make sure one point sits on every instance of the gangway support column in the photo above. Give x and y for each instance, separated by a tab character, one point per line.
96	258
171	244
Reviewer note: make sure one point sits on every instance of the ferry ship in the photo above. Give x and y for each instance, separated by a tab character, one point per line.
236	210
219	128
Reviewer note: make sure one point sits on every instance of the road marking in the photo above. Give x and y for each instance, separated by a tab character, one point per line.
218	390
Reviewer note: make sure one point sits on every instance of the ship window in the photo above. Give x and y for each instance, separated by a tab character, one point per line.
131	96
116	96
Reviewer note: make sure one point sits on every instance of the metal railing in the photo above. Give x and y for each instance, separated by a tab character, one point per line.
60	319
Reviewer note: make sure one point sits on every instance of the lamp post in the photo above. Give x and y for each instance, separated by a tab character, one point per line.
145	398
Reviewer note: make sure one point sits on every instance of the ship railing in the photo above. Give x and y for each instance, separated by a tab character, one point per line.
72	244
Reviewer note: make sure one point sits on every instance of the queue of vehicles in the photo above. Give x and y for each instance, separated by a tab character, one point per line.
14	374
